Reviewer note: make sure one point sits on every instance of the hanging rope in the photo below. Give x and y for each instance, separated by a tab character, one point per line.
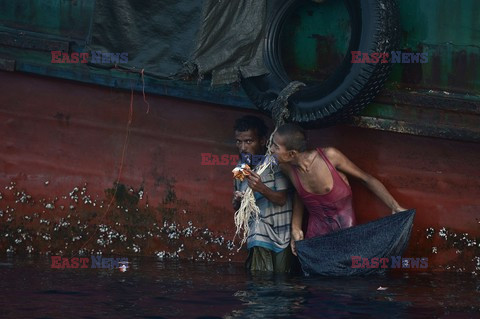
248	207
124	149
143	91
120	170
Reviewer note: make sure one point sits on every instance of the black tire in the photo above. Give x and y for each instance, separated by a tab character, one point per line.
352	86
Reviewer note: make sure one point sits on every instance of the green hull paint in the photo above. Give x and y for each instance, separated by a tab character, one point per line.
439	98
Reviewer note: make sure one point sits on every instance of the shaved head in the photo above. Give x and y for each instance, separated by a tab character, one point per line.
293	137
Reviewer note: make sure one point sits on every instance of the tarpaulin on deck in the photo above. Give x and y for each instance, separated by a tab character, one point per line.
331	254
231	40
218	37
158	36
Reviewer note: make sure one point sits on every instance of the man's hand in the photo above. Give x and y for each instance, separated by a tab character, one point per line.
237	198
297	234
255	182
398	209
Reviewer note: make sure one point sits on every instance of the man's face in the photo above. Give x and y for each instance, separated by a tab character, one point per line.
280	151
248	142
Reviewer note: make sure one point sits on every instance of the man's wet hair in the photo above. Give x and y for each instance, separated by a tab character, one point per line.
293	136
250	122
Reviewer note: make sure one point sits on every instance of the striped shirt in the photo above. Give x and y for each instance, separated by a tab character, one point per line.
272	229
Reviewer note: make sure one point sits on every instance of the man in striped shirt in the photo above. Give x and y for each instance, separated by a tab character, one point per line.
268	240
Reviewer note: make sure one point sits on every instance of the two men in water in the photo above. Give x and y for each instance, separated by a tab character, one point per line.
319	177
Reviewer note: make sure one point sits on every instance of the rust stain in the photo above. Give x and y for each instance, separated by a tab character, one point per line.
459	77
412	73
82	223
465	70
62	118
328	59
437	71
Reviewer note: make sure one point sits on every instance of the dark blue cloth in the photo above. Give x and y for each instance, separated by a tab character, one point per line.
331	254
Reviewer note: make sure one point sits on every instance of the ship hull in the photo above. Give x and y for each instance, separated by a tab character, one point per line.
77	177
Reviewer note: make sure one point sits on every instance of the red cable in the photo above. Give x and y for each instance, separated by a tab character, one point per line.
125	144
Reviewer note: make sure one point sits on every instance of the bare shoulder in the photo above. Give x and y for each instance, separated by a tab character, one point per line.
333	155
331	152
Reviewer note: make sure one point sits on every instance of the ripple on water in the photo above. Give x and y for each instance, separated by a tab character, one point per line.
153	288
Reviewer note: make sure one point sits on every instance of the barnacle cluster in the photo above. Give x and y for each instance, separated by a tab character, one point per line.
79	223
463	243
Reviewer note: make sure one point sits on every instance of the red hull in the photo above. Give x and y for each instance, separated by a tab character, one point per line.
58	135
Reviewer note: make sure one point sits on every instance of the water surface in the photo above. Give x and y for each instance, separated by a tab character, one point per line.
150	288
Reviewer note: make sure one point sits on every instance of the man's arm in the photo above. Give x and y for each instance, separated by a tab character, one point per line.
297	215
343	164
297	219
256	184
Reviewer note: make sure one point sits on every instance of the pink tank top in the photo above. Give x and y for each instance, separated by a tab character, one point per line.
331	211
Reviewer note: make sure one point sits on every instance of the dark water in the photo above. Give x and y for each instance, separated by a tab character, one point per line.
154	289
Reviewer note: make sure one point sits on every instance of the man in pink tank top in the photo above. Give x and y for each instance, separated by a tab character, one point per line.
319	176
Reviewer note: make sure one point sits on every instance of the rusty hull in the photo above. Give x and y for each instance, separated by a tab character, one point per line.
61	157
